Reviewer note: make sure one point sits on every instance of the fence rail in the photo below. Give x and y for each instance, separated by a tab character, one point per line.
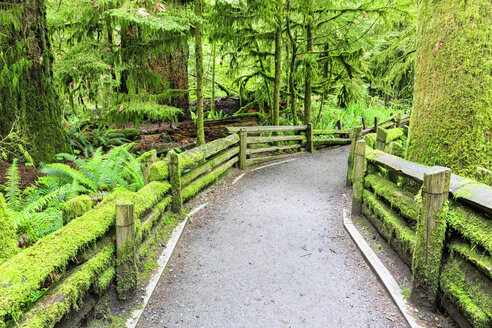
439	223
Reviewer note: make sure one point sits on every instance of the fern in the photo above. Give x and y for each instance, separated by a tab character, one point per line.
66	172
13	194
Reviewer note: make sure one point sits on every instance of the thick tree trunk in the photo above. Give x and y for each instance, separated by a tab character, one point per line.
309	49
292	87
199	74
27	96
451	122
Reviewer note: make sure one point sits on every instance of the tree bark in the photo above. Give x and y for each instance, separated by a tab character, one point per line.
199	74
27	96
451	121
278	64
309	49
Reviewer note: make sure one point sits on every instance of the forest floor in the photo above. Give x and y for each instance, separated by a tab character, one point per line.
271	251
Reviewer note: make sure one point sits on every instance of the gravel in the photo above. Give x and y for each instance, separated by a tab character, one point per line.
271	251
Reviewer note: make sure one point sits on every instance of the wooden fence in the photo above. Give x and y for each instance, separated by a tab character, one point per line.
438	222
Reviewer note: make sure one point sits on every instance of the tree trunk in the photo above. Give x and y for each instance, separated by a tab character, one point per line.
27	96
451	122
292	68
214	59
278	65
309	49
199	74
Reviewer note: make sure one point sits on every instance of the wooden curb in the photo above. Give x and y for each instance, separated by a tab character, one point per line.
383	274
132	321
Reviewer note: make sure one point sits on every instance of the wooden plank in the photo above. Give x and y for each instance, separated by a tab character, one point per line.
197	155
331	131
468	191
252	161
210	164
331	142
266	128
268	149
275	138
243	146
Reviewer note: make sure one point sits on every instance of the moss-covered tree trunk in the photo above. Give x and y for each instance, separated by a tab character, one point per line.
292	68
199	74
309	49
27	98
451	122
278	63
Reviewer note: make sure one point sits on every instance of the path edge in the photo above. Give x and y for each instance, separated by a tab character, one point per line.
378	267
162	262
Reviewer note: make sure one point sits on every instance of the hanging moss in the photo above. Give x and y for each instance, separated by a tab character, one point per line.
76	207
452	108
470	290
8	240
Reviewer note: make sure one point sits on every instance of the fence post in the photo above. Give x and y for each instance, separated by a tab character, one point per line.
381	139
364	123
125	247
354	136
145	166
175	179
430	235
358	177
310	137
398	120
376	124
243	146
340	125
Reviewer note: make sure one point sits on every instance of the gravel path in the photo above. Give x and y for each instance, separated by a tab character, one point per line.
271	251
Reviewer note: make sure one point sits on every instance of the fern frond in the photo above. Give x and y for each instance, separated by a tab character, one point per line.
63	170
13	193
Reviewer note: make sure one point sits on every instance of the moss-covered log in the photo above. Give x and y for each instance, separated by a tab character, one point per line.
8	240
270	149
469	289
197	155
475	255
210	164
252	140
452	107
398	198
330	142
76	207
159	171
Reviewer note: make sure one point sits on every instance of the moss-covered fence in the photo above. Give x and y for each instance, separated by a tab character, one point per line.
439	223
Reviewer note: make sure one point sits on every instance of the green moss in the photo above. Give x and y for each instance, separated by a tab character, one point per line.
62	298
397	227
481	259
130	134
197	155
149	156
370	139
396	148
193	188
398	198
471	225
8	240
394	134
104	279
159	171
470	290
452	128
76	207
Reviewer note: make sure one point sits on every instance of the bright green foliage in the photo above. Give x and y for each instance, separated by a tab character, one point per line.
452	110
8	240
76	207
469	289
398	198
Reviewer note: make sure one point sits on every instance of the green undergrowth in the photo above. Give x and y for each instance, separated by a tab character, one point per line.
397	227
471	225
469	289
398	198
24	274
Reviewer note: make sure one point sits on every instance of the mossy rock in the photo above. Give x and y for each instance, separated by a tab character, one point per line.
8	240
76	207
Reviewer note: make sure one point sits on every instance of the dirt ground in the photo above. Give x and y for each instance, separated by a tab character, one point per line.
271	251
